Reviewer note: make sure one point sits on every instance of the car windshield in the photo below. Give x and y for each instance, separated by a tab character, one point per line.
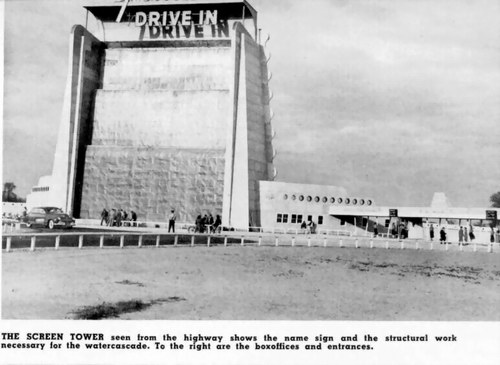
54	210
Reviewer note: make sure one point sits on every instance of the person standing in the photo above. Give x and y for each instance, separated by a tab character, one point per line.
112	218
431	232
119	217
460	236
471	234
375	230
171	221
104	217
466	236
442	236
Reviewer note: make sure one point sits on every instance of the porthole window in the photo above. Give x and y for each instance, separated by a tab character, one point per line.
355	201
362	202
294	197
369	202
285	196
316	199
301	197
309	198
325	199
339	200
347	200
332	200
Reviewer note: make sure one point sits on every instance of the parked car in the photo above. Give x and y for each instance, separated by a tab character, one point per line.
49	217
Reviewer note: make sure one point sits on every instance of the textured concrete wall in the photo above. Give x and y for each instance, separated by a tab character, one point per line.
151	181
193	68
159	133
185	119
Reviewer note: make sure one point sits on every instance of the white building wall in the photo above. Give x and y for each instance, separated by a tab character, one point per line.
300	199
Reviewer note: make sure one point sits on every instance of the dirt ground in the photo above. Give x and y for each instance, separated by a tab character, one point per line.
249	283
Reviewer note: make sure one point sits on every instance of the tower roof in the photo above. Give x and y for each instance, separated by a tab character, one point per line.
95	4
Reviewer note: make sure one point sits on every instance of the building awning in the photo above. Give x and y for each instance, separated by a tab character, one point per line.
412	212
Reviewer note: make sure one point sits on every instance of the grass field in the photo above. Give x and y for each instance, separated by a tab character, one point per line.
246	283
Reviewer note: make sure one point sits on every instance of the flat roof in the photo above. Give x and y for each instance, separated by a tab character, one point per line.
412	212
131	3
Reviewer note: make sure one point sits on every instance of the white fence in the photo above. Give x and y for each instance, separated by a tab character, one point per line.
53	240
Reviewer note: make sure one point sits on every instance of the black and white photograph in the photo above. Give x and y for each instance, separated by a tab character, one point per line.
251	160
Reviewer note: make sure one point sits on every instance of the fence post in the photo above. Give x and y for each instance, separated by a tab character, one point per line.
33	243
490	248
158	241
58	241
208	241
293	241
416	245
122	241
101	242
475	247
9	243
225	241
139	242
340	243
324	241
446	245
432	245
371	243
192	241
386	245
80	242
460	246
357	244
176	240
277	241
309	241
402	244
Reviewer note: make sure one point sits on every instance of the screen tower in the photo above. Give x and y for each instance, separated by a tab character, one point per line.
166	106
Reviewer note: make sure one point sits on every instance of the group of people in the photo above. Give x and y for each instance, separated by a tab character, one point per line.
207	223
464	235
400	231
309	227
117	217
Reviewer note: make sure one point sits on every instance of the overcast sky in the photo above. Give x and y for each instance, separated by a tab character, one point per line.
390	99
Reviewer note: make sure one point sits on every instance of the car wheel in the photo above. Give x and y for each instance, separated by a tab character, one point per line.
50	224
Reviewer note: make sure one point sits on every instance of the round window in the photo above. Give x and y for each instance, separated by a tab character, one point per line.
332	200
316	199
362	202
354	201
285	196
339	200
309	198
325	199
369	202
347	200
294	197
301	197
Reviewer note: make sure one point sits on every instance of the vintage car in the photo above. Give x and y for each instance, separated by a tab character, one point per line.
49	217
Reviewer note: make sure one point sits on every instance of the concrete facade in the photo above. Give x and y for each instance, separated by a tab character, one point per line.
152	123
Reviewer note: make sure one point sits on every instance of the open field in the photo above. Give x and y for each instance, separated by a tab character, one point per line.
270	283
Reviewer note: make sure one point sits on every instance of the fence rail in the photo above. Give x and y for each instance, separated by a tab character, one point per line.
79	240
